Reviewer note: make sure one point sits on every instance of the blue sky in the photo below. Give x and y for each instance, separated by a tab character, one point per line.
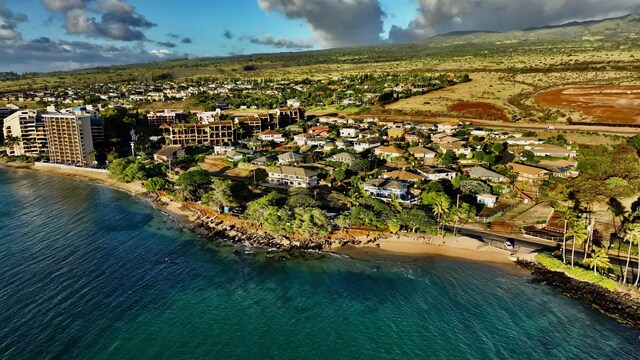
45	35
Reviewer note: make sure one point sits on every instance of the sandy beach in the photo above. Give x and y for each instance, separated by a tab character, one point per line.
372	243
420	245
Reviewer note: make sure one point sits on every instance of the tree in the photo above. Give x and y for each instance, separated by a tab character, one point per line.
193	184
599	259
301	200
338	199
497	148
311	222
474	187
118	166
257	209
340	175
156	184
220	195
579	233
360	165
569	218
528	155
631	234
394	226
441	208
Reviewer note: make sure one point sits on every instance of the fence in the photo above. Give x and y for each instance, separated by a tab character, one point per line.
541	236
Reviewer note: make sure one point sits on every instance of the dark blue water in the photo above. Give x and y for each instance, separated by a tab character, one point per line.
83	276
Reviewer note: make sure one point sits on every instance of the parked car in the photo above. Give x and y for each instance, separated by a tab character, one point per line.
509	244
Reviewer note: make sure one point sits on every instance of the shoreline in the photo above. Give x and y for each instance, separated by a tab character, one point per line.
359	246
371	245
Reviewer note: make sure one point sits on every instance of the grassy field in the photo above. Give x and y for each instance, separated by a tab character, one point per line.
507	69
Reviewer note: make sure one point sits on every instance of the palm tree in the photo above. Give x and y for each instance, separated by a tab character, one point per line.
631	234
440	209
600	259
569	218
579	233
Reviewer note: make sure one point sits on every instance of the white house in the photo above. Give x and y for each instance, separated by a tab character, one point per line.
345	157
349	132
290	176
545	150
487	199
289	158
386	189
272	135
525	141
436	174
364	144
389	151
301	139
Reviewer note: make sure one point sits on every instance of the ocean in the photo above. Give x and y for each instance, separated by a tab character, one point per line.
87	272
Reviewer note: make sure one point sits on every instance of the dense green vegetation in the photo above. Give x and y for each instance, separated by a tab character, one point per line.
549	261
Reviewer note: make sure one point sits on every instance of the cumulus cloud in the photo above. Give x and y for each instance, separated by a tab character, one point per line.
441	16
8	23
186	40
45	54
278	43
110	19
335	22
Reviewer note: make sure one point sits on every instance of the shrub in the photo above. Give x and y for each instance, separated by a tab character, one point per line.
550	262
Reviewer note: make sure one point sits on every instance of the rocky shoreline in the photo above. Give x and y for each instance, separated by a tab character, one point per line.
619	305
215	229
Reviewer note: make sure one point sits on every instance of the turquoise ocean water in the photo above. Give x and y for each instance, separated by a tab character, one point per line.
84	275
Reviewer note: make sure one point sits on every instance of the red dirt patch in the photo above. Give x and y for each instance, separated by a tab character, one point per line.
478	109
606	104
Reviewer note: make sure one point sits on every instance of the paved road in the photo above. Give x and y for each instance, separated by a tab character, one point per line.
529	244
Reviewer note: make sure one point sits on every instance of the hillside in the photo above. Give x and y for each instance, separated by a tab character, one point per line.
443	52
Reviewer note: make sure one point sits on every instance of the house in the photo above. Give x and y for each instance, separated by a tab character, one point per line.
420	152
402	175
317	141
238	155
223	148
443	138
301	139
478	172
389	151
458	148
560	168
318	131
412	138
395	133
289	158
364	144
436	174
387	189
293	102
290	176
272	135
528	173
345	157
349	132
487	199
448	127
344	144
329	145
265	160
547	150
169	153
522	141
